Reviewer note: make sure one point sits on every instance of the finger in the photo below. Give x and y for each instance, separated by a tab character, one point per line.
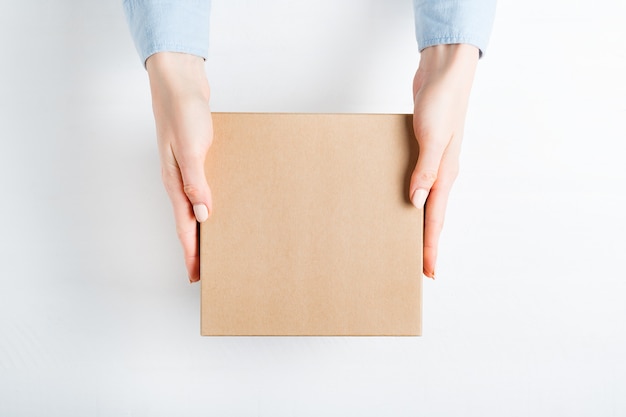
186	226
423	179
435	212
434	217
425	173
195	186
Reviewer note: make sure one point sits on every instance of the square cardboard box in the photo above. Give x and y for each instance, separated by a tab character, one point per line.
312	230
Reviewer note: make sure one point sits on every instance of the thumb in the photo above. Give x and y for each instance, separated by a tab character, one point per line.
424	175
196	188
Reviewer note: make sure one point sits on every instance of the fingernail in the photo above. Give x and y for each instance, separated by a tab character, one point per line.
201	212
419	198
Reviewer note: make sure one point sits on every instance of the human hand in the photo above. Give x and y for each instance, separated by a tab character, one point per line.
441	89
180	102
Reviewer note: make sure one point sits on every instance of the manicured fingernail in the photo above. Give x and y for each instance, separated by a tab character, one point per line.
201	212
419	198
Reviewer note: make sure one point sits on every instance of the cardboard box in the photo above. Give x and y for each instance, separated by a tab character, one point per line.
312	230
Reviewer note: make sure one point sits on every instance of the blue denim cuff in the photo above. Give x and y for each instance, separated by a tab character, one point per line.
453	21
166	25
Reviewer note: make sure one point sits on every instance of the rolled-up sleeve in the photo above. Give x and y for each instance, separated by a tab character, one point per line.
169	25
453	21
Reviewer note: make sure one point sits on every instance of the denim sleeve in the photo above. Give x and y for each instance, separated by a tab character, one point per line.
169	25
453	21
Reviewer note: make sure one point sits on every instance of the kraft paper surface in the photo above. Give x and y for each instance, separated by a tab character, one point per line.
312	231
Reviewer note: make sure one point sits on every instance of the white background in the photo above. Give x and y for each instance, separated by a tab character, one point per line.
527	316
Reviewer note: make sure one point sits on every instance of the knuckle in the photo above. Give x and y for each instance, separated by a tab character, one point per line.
430	247
448	178
185	235
427	177
170	179
192	191
434	226
167	175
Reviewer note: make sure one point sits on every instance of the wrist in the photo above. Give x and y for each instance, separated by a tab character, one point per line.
177	74
457	61
438	57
